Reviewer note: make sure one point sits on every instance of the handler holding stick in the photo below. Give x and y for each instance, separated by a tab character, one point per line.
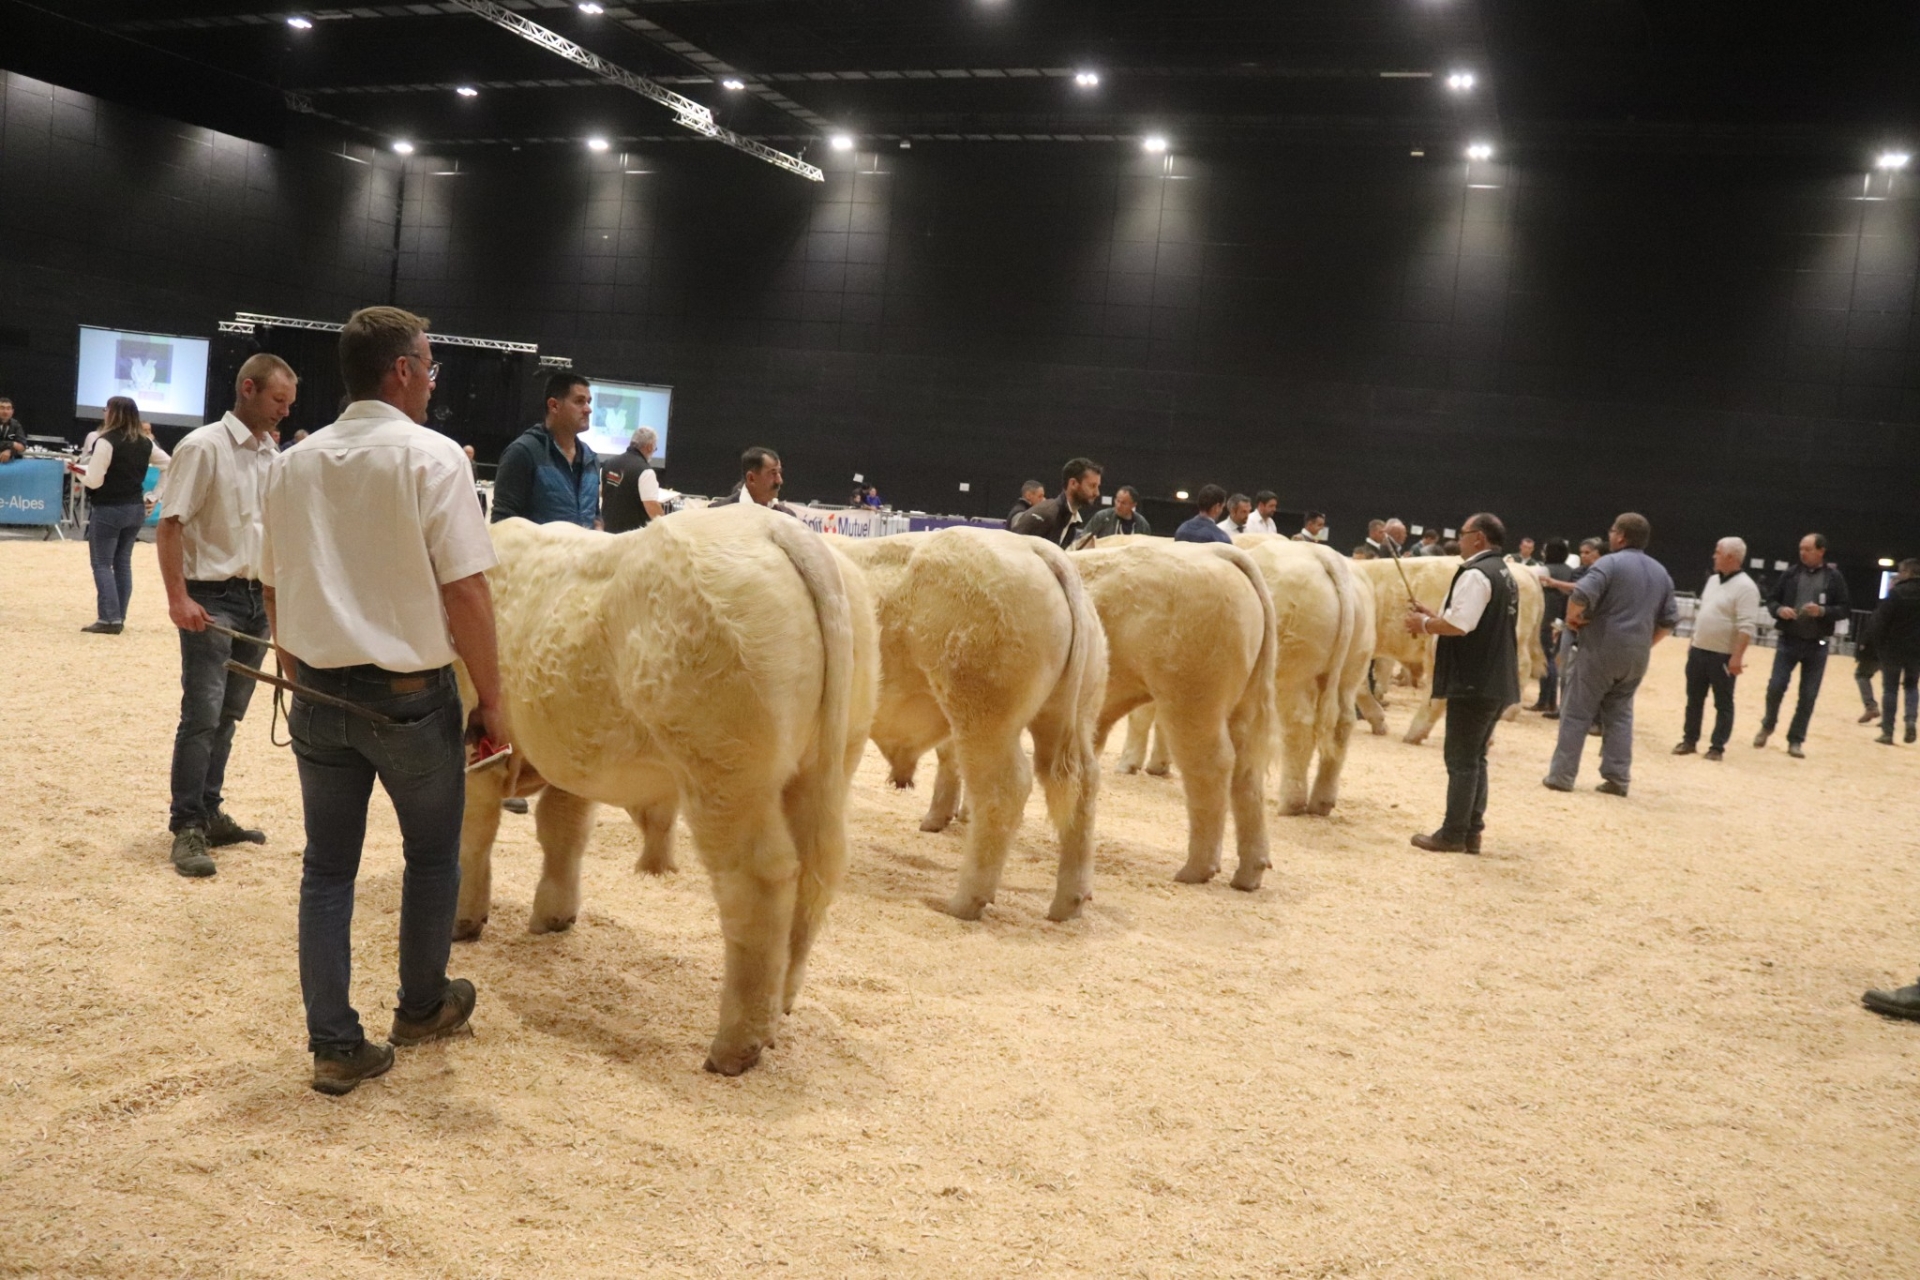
209	550
376	559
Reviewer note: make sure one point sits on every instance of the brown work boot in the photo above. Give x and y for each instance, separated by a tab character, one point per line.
449	1019
338	1071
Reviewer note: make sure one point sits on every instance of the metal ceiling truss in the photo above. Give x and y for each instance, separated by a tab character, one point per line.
248	321
687	113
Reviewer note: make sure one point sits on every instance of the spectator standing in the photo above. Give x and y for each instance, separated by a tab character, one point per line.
1204	524
1377	537
1430	544
1808	600
1724	625
208	545
761	479
1524	555
1122	518
1063	520
1473	670
374	560
1894	632
1265	504
1239	515
13	433
547	474
1621	608
1314	529
1396	544
116	474
629	489
1032	494
1554	610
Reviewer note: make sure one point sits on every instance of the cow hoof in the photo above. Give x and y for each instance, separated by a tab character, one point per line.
966	907
1379	730
1320	808
655	866
468	930
1064	909
1128	768
550	924
1161	772
1293	808
1195	875
732	1062
933	824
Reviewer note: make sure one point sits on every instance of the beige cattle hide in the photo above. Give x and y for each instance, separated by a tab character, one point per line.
1190	630
720	662
984	634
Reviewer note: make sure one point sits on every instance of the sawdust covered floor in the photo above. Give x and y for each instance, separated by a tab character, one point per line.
1626	1042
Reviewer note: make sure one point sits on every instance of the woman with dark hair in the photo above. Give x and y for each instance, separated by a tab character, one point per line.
116	475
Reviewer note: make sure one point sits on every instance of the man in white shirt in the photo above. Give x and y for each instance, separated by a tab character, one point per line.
1314	529
1723	626
375	569
1265	503
1239	517
209	550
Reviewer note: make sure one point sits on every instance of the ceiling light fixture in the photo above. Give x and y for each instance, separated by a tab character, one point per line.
733	86
1087	79
467	91
299	23
1480	151
1461	81
1892	160
841	142
1886	562
591	9
1155	143
1180	494
597	144
403	147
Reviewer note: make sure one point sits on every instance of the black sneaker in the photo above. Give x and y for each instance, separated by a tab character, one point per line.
449	1019
338	1071
1612	788
1913	731
223	830
190	855
1903	1003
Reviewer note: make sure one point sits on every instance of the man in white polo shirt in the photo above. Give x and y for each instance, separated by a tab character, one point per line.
209	549
375	568
1724	625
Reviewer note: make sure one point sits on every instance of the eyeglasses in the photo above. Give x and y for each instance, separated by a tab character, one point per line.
433	368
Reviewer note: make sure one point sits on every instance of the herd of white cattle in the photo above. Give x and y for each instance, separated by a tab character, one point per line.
729	666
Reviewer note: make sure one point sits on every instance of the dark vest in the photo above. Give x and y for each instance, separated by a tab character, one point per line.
1481	663
620	507
126	474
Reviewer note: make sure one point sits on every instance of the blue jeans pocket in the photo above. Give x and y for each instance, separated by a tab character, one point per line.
420	747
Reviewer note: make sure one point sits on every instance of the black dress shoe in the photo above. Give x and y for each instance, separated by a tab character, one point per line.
1715	754
1913	731
1437	843
1612	788
1685	749
1550	715
103	628
1473	842
1551	785
1903	1003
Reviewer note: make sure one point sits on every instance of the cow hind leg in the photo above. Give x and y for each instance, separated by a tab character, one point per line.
478	826
1333	759
1376	715
755	869
1424	719
1296	751
1070	772
1139	733
1248	791
946	790
1159	760
563	822
997	776
656	834
1205	755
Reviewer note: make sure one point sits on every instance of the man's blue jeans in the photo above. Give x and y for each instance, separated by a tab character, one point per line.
419	760
111	533
212	699
1810	655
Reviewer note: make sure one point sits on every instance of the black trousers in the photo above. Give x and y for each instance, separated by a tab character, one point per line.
1470	723
1707	670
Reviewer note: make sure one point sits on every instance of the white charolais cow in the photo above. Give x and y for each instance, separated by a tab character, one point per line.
1430	577
1320	667
721	662
1190	629
984	634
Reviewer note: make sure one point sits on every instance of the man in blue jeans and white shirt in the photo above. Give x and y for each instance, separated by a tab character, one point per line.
1806	603
209	550
376	557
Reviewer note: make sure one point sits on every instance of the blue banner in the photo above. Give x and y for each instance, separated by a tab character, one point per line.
30	491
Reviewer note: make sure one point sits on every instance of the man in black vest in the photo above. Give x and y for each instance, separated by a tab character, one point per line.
1474	670
629	490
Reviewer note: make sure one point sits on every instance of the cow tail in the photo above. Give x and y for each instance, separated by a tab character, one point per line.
1084	679
1252	720
1332	707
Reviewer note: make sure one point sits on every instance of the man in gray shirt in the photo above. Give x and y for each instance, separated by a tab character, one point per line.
1620	609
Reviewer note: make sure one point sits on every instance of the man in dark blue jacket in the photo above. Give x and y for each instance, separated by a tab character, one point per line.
1806	603
548	474
1204	524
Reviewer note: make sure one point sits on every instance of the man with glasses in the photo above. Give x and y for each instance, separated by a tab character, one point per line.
549	475
374	560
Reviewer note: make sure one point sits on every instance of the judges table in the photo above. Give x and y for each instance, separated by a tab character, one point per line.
30	491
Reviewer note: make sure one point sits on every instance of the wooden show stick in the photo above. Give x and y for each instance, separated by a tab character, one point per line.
301	691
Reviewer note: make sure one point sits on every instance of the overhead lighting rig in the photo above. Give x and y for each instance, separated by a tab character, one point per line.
687	113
